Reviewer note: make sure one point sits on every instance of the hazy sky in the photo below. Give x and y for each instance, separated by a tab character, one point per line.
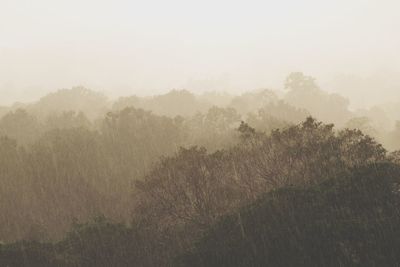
146	47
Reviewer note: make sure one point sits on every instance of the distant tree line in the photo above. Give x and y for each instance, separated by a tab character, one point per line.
175	181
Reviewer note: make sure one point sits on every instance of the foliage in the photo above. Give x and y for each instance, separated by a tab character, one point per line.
303	92
347	221
211	185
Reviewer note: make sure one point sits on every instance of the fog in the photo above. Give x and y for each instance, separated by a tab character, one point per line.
199	133
150	47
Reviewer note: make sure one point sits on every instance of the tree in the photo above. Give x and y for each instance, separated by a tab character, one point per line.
300	154
100	243
190	188
303	92
364	124
297	81
67	120
253	101
20	125
276	115
214	130
135	138
350	220
78	99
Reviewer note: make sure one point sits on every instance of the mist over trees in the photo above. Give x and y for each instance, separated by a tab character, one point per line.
258	179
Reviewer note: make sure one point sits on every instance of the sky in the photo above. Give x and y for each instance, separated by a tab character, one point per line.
123	47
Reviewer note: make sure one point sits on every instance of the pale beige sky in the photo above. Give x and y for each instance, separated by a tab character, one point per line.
146	47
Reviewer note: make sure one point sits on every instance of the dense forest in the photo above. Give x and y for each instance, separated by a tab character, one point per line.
266	178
